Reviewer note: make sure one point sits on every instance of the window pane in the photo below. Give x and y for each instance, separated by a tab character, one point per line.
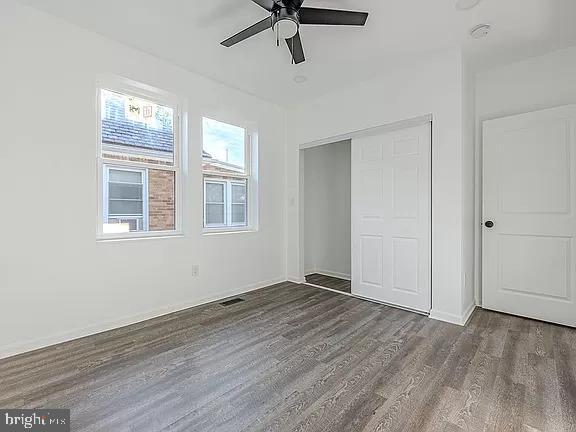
224	147
161	200
214	192
119	207
127	200
214	214
122	176
136	129
238	213
125	191
238	193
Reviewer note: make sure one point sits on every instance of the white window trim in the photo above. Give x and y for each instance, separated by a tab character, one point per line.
126	86
250	177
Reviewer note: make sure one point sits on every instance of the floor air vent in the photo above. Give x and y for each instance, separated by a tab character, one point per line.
232	301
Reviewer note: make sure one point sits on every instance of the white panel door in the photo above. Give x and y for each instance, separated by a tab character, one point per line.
529	261
391	220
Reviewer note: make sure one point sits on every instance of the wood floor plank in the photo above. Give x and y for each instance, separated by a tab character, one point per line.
331	282
296	358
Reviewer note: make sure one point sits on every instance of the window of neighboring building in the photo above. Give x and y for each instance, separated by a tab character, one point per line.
138	165
226	166
126	199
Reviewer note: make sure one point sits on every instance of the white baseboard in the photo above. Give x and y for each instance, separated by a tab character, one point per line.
34	344
460	320
296	279
330	273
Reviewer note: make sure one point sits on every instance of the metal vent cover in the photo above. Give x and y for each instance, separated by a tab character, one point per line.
232	301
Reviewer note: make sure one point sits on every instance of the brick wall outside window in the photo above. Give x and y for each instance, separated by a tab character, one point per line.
161	200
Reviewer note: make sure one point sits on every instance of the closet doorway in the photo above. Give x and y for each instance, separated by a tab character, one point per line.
327	215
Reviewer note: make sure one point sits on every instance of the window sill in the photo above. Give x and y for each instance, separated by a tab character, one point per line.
228	230
147	236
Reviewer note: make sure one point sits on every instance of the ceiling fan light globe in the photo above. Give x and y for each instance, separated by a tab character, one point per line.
286	28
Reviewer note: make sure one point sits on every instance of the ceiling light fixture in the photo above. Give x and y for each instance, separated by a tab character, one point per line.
480	31
466	4
285	23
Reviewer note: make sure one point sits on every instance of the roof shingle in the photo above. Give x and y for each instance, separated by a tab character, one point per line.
117	129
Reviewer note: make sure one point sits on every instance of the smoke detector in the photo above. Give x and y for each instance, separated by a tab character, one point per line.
466	4
480	31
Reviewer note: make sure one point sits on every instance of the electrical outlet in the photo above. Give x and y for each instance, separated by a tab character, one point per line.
195	270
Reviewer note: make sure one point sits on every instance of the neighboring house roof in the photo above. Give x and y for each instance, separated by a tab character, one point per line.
117	129
218	167
127	132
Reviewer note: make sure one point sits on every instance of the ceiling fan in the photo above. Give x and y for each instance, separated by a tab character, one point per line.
285	19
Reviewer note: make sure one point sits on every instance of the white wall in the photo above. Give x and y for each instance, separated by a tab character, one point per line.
530	85
427	86
538	83
57	282
327	213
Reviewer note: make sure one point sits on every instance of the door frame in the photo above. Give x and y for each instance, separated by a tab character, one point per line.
390	127
479	191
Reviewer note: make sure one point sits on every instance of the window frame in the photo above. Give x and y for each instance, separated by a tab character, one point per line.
132	88
249	177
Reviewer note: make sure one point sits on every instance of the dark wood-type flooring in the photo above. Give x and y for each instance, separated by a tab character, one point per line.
335	283
295	358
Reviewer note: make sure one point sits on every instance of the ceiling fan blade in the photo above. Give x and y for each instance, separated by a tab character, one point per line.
331	17
266	4
295	47
265	24
294	4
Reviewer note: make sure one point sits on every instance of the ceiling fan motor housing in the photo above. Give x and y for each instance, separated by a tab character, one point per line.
285	22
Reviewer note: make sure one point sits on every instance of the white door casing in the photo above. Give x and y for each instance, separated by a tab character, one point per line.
391	217
529	193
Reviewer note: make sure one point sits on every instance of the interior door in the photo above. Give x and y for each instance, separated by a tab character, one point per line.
391	217
529	266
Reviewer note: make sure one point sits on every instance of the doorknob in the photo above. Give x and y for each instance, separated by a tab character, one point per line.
489	224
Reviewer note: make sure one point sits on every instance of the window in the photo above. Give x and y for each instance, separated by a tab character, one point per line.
138	159
221	211
227	175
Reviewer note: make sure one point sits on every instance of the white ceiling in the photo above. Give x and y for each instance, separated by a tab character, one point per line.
188	34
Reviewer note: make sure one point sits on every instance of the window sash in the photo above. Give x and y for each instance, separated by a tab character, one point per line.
119	148
247	158
245	179
126	87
